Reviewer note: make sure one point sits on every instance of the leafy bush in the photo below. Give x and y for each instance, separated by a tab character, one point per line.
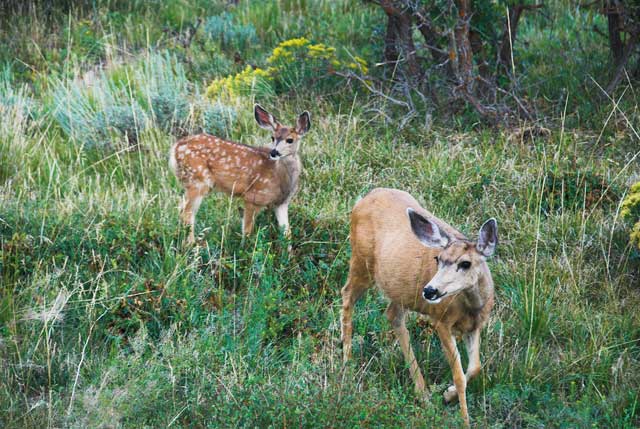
229	34
218	119
95	114
119	104
631	211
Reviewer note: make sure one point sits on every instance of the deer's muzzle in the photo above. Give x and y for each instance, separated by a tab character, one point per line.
274	154
432	294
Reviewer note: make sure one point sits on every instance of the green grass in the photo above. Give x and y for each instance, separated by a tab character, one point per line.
106	320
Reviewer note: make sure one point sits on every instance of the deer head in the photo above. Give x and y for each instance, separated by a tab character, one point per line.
460	263
284	140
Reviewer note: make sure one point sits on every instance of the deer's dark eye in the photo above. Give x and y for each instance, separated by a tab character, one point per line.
289	140
437	259
465	265
273	138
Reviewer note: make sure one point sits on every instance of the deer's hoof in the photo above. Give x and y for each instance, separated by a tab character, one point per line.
450	395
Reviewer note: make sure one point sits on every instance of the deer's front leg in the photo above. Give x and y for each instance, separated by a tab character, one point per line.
453	356
472	344
282	215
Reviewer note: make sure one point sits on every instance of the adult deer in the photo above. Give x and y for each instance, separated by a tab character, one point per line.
261	176
422	264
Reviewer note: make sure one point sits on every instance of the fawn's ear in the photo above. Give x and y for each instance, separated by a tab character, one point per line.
265	119
488	238
427	231
304	123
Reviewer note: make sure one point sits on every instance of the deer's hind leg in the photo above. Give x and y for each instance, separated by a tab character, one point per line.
358	281
192	199
250	213
396	315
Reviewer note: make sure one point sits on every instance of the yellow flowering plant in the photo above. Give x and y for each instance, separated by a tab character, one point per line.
631	210
290	64
249	80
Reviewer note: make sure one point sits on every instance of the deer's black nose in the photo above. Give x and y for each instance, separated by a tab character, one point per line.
429	293
274	153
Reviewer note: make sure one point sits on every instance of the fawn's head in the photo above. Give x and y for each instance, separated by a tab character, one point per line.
284	140
460	263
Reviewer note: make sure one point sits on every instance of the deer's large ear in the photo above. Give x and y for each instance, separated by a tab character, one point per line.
427	231
304	123
488	237
265	119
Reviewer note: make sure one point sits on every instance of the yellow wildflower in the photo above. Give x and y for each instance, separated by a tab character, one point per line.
284	50
235	84
321	51
294	43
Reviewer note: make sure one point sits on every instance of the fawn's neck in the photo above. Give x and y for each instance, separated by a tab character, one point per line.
288	171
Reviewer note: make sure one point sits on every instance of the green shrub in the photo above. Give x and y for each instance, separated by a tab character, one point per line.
164	89
230	35
120	104
218	119
94	115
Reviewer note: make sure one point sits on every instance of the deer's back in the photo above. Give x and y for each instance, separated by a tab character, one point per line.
233	168
400	265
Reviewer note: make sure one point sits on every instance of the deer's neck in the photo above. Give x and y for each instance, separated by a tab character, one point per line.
288	171
289	167
478	296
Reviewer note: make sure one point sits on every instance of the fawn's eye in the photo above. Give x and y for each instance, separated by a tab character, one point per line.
289	140
465	265
437	259
273	138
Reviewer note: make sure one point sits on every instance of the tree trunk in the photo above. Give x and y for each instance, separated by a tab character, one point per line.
612	9
399	47
464	53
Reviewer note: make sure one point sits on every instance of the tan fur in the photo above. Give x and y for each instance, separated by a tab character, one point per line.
204	162
385	251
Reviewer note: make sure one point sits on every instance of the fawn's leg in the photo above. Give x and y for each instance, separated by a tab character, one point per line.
250	212
357	282
453	356
472	344
191	203
282	215
396	315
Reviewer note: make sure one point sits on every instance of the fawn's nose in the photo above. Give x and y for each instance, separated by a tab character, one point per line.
274	153
429	293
